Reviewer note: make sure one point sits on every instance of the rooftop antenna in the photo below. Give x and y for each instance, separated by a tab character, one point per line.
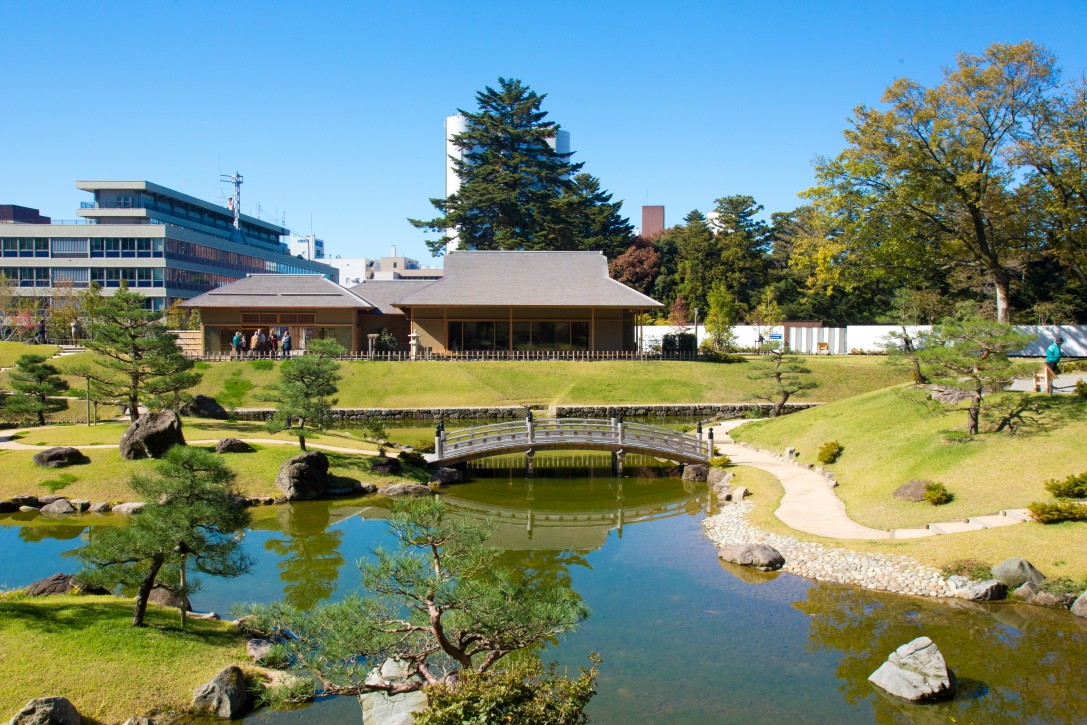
234	203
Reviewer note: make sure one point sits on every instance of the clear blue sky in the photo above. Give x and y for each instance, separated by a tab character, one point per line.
334	111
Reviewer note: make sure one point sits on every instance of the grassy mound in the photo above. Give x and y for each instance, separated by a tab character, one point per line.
367	384
82	648
889	439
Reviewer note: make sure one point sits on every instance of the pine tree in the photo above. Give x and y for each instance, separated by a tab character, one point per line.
35	382
516	191
303	393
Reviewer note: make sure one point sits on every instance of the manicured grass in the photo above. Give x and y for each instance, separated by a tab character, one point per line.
82	648
890	439
1057	550
12	351
106	476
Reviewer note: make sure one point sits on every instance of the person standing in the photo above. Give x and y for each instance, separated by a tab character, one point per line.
254	344
273	343
285	344
1053	356
262	342
238	343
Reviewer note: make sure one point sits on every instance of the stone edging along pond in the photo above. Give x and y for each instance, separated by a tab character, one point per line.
512	412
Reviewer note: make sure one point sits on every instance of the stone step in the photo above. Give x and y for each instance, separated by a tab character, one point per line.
911	533
1018	514
991	521
954	527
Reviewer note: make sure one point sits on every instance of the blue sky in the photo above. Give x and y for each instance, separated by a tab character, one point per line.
334	111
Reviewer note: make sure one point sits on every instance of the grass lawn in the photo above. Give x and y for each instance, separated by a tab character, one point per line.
1057	550
106	476
82	648
12	351
368	384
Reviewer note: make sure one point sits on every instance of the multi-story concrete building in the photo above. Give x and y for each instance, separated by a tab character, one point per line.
306	246
359	269
167	245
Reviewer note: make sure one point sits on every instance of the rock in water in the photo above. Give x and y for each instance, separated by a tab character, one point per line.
446	476
61	506
407	489
917	672
232	445
380	709
59	457
127	509
989	590
47	711
224	695
203	406
758	556
696	472
152	435
717	475
1014	572
304	477
1079	607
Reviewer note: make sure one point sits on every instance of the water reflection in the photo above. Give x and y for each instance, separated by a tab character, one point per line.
309	554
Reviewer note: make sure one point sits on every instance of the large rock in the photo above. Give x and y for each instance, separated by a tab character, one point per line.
8	507
225	695
47	711
26	499
718	475
381	709
152	435
446	476
233	445
385	466
100	507
696	472
989	590
59	457
258	648
60	507
304	477
917	672
61	584
1014	572
757	556
203	406
1079	607
407	489
912	491
127	509
351	488
168	598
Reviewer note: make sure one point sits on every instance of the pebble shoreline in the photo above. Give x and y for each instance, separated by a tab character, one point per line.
882	572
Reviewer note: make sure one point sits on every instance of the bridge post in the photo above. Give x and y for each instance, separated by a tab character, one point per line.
709	455
529	456
439	440
617	459
530	426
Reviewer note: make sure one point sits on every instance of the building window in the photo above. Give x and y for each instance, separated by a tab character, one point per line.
534	335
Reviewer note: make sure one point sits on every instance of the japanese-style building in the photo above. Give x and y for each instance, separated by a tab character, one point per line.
486	301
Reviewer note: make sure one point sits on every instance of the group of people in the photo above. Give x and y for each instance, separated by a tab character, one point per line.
261	344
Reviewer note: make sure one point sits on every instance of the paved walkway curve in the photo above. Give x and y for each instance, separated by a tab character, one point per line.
811	506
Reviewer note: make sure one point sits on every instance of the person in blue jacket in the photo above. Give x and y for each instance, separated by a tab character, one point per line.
1053	355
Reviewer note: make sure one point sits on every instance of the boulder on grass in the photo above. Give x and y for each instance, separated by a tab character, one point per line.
61	584
696	472
385	466
377	707
58	457
917	672
912	491
407	489
446	476
152	435
127	509
1014	572
757	556
225	695
203	406
168	598
718	475
47	711
233	445
304	477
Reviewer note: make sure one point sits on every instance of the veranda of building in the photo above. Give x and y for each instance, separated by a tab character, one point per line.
167	245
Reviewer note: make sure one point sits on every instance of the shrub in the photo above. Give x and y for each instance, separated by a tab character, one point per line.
829	452
1081	388
937	494
1062	585
678	343
426	446
1054	513
413	458
971	568
720	461
1071	487
754	413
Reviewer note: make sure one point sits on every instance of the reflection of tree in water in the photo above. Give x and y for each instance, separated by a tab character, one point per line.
1015	663
310	556
61	532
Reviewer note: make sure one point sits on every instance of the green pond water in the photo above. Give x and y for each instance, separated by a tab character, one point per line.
685	639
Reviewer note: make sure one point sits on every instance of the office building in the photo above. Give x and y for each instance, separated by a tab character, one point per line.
167	245
306	246
652	221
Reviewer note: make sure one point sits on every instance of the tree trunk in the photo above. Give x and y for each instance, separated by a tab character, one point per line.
1003	311
145	590
975	412
302	441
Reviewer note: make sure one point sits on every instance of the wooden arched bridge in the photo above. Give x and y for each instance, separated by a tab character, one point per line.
528	436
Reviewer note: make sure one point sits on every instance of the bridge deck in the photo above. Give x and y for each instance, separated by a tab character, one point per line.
525	436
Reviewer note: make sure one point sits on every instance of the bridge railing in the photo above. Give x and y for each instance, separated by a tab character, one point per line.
569	432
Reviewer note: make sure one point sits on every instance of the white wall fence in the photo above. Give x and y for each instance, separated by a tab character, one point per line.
869	338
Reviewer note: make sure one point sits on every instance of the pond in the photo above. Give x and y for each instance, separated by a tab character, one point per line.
685	639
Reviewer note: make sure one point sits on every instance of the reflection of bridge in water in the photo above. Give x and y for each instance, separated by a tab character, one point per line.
529	436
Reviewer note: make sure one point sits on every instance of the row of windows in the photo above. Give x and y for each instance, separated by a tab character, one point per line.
75	247
189	252
536	335
83	277
197	281
271	318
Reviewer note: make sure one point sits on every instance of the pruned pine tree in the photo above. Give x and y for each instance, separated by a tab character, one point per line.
779	377
138	361
35	382
303	395
440	604
192	517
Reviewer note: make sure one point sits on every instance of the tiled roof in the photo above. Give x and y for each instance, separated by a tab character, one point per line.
526	279
383	293
280	291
